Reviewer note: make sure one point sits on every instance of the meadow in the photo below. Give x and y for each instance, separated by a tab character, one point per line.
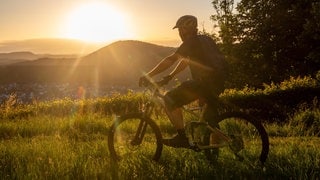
67	139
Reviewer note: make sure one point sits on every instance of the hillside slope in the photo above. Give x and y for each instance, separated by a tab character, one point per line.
121	62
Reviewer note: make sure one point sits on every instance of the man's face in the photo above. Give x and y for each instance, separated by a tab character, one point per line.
183	33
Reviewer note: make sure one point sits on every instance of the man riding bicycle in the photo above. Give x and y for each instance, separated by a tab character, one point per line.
208	69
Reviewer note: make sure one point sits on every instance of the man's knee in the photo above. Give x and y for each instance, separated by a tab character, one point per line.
169	103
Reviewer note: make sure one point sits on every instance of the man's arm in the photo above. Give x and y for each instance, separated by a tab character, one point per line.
180	67
164	64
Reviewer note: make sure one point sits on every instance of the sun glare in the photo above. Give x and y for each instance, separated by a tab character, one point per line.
96	22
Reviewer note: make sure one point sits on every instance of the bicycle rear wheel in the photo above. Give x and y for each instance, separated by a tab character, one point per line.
248	139
134	135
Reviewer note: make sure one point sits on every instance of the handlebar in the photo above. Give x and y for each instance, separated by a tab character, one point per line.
154	86
147	81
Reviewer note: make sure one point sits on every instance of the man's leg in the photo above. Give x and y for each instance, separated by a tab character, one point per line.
174	100
210	115
176	118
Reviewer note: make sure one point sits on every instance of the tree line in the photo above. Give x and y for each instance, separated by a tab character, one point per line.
268	40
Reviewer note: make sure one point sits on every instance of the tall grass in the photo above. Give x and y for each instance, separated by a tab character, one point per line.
67	139
54	147
75	147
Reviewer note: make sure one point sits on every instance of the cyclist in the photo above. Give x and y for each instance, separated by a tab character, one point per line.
208	70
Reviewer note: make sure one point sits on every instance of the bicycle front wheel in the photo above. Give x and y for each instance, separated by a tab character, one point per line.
246	136
134	135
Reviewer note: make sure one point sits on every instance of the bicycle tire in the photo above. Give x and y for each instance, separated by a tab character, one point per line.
246	124
119	147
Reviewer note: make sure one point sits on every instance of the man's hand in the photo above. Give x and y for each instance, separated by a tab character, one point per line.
143	81
165	80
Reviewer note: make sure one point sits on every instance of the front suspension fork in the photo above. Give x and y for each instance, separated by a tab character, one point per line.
140	133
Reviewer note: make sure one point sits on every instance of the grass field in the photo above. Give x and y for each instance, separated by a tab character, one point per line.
67	139
75	147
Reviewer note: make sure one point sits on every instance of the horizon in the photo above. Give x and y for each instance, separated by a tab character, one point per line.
57	46
99	21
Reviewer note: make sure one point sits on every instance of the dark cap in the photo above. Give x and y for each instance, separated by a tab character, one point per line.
186	21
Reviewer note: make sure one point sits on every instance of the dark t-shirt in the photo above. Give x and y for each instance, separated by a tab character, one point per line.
206	62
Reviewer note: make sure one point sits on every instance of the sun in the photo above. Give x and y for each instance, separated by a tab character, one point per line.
96	22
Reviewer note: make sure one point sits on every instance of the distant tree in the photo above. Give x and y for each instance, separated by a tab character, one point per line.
270	39
224	18
311	34
226	24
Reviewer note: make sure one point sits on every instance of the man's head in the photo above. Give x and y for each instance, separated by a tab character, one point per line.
187	26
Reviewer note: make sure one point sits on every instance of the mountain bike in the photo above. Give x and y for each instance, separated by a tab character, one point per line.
239	134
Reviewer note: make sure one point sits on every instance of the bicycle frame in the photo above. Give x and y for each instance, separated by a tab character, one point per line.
148	109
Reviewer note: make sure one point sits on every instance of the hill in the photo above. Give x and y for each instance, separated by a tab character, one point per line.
19	55
29	57
124	61
14	57
121	62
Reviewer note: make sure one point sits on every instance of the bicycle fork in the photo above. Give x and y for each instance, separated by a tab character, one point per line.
142	125
139	133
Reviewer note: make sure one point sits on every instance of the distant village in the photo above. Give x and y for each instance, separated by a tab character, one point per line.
33	77
34	92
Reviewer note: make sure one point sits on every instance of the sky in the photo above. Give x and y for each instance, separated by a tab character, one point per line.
99	20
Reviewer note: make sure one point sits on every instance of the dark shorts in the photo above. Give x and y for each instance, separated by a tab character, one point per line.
192	90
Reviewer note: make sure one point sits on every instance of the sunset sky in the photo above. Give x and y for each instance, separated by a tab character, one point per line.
99	20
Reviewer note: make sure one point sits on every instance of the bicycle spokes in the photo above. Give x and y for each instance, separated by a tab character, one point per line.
134	134
245	140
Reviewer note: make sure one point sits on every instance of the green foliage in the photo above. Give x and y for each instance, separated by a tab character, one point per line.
276	101
307	120
116	104
287	85
273	102
267	41
11	108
